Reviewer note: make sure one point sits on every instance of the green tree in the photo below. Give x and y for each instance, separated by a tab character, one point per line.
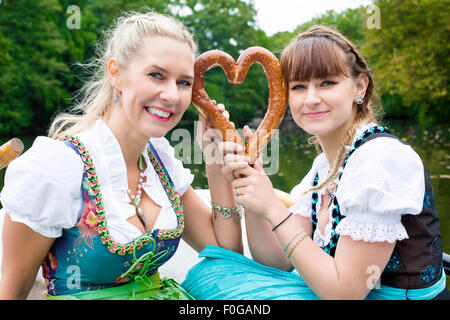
31	82
227	25
95	18
350	22
409	54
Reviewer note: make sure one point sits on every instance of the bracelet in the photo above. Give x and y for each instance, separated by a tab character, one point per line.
303	237
274	228
292	239
227	213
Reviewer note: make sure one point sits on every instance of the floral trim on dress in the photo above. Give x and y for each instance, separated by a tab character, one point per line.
96	218
432	271
394	262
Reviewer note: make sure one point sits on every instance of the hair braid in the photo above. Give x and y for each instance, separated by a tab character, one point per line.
342	152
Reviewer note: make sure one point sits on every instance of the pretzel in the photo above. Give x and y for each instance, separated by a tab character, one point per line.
236	73
9	151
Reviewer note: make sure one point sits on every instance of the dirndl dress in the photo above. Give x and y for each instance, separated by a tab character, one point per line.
86	263
227	275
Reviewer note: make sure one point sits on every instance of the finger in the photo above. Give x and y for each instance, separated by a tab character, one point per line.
232	166
240	183
258	165
226	114
229	169
213	134
227	174
227	147
248	133
247	172
214	102
204	122
220	107
200	125
232	158
240	192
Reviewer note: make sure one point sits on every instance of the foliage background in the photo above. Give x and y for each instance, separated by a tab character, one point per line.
38	54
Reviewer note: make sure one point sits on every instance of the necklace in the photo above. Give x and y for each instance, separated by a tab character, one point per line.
329	191
135	200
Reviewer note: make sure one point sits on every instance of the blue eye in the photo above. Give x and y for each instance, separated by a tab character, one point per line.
185	83
155	75
298	87
328	83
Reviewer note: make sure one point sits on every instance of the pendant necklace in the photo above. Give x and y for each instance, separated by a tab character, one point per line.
135	200
330	193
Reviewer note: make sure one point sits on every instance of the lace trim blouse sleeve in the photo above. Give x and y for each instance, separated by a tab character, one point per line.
383	180
43	187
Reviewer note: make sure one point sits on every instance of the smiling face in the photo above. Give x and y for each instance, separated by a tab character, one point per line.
155	87
323	81
323	106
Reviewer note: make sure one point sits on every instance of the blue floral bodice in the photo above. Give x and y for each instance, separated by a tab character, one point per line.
86	258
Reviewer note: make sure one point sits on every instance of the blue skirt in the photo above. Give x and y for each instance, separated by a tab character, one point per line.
227	275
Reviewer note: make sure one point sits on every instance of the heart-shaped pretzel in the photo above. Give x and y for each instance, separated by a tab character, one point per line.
236	73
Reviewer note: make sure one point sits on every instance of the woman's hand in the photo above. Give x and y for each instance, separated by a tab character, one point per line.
208	138
252	186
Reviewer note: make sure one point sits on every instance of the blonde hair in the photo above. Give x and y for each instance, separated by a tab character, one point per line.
322	51
121	41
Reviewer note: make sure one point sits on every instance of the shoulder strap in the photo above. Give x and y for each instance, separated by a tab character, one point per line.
155	153
369	134
384	134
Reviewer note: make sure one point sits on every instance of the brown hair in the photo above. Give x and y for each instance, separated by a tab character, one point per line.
321	52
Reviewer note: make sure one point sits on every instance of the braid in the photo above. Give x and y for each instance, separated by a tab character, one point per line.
342	153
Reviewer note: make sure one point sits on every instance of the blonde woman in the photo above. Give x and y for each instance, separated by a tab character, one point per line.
365	225
102	200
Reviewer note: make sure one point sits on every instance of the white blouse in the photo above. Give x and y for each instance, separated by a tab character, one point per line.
383	180
43	186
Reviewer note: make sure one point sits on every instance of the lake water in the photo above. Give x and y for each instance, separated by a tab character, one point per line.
296	156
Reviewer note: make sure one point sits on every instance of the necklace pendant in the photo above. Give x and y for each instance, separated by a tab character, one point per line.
330	202
141	216
331	195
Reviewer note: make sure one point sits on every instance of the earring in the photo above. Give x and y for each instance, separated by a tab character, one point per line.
359	99
116	96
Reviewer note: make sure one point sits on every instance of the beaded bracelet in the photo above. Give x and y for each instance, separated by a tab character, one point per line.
303	237
227	213
293	238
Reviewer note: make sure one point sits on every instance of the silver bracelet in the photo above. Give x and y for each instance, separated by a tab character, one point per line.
236	213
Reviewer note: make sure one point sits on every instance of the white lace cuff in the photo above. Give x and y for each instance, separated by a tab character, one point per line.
302	208
370	228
